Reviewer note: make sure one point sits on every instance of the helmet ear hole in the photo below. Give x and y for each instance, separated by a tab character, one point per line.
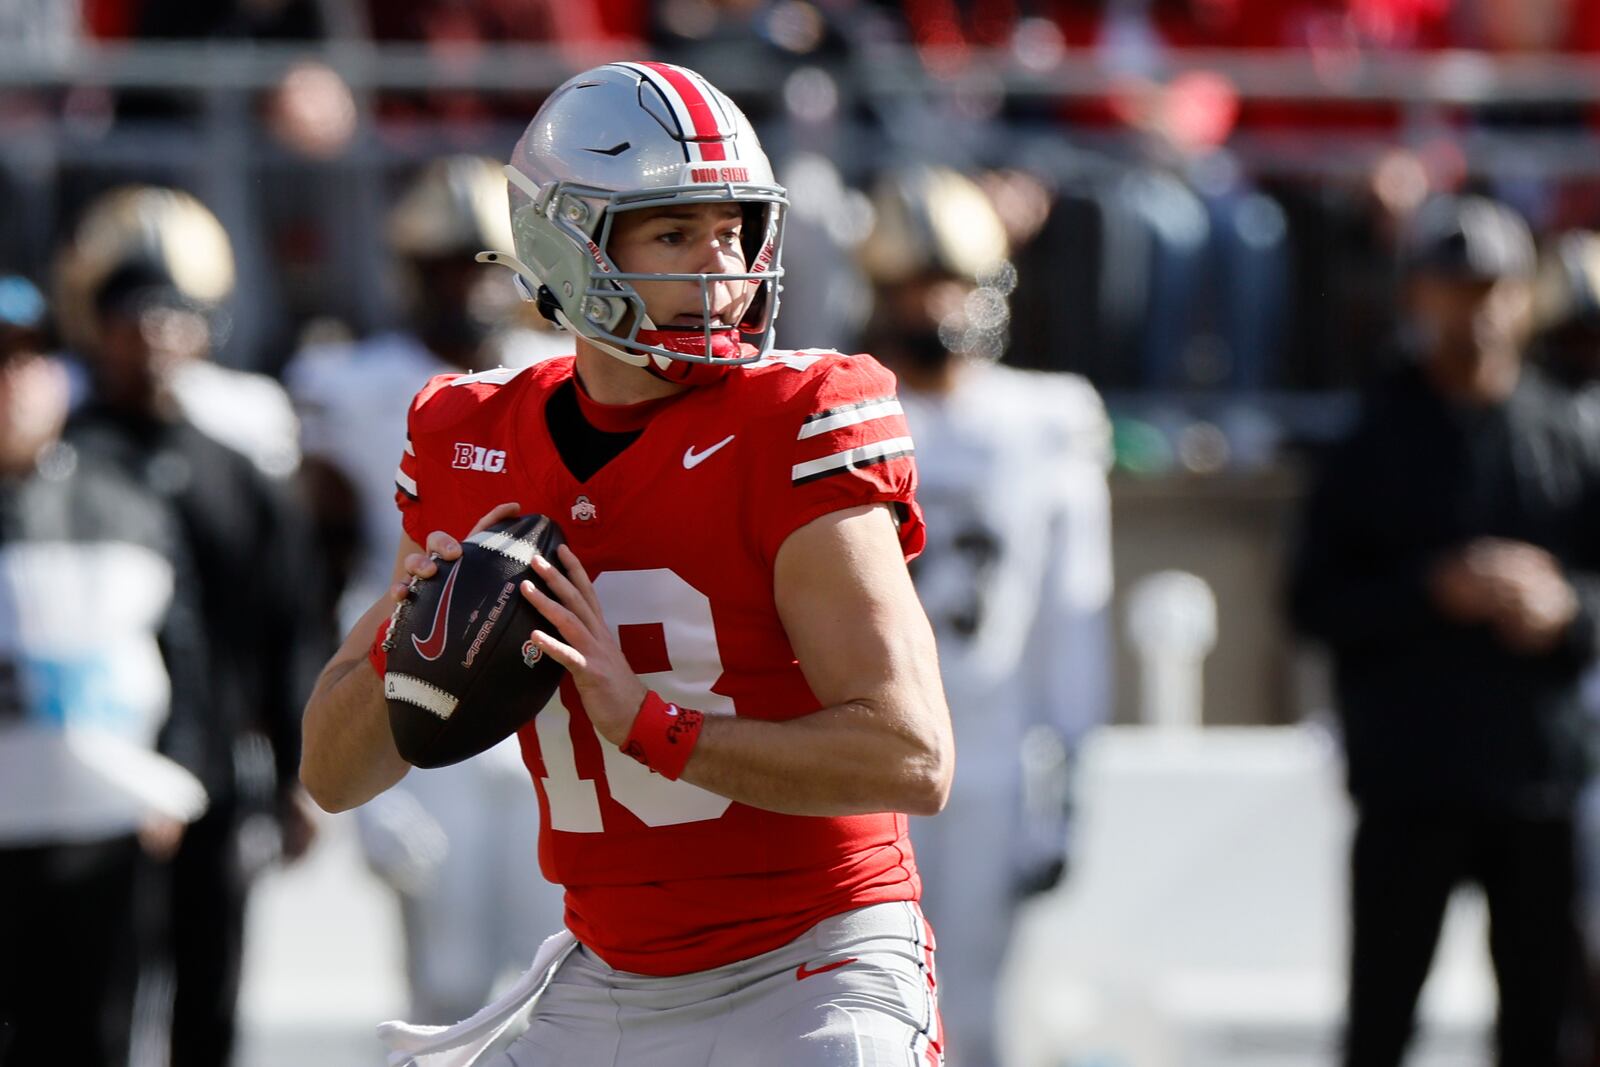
755	316
546	302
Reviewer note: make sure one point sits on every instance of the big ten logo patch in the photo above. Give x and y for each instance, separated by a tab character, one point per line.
471	457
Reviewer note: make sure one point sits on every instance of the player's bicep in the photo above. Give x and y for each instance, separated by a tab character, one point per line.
853	618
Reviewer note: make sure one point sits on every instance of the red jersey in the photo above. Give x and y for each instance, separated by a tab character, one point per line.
679	533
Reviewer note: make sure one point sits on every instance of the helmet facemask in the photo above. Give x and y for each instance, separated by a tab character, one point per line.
563	232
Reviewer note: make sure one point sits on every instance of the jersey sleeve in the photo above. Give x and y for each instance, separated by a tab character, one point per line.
841	443
410	480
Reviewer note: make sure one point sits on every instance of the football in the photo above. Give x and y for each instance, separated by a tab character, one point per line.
462	673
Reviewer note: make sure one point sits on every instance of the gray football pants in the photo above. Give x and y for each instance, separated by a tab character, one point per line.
784	1008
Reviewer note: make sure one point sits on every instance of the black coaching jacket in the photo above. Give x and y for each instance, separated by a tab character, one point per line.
1435	713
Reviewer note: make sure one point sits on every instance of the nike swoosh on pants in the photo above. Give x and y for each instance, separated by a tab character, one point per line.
801	973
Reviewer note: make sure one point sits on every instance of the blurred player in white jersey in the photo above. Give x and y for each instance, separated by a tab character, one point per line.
454	843
1016	576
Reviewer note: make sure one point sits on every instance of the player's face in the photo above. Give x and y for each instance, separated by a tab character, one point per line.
684	239
140	347
33	404
1467	318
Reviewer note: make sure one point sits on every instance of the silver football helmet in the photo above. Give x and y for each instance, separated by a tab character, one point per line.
628	136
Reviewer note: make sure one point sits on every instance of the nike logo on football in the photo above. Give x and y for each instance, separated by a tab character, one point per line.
693	459
432	646
801	973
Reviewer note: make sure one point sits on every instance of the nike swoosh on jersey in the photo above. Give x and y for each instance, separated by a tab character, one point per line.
432	646
692	459
801	973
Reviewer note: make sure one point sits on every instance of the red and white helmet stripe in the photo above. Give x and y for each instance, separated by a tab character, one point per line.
704	123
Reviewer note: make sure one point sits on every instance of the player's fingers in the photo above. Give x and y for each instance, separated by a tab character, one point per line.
570	594
500	511
443	545
573	566
424	564
562	653
566	620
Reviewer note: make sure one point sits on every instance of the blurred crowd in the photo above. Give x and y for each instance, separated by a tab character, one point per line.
217	299
1239	220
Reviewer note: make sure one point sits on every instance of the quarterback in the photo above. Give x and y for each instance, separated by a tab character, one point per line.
753	705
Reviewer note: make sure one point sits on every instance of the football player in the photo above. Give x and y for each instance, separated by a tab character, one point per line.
148	268
753	705
1016	574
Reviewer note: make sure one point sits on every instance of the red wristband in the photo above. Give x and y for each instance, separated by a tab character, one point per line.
663	735
377	655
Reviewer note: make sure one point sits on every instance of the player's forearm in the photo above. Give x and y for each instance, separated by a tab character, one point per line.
348	755
852	759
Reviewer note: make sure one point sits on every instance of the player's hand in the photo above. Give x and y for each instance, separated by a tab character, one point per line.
441	546
1520	590
160	836
1536	604
1459	589
611	691
1038	877
297	822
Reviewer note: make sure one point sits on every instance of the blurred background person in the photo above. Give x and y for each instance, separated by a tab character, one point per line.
142	270
1450	558
1567	310
169	239
1567	348
1016	575
101	682
456	844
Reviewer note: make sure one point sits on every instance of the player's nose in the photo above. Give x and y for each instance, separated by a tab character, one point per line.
716	256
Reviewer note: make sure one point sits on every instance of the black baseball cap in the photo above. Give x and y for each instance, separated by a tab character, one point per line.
1472	238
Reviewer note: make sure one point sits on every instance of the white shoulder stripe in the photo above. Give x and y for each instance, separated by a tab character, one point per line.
412	690
880	409
495	376
406	483
862	456
515	548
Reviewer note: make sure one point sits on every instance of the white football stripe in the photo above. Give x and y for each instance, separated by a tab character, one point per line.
516	548
851	457
416	691
882	409
405	481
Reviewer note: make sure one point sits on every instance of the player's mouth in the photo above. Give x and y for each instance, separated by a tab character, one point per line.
696	321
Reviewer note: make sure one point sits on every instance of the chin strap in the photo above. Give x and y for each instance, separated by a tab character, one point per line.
726	344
